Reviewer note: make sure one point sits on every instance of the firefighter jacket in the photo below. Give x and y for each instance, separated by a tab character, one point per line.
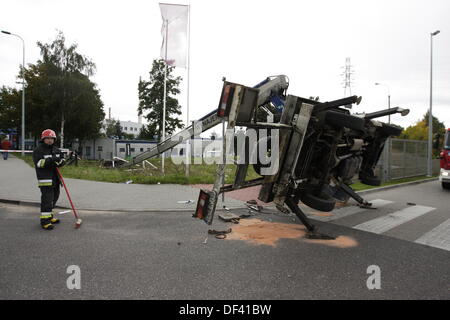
46	158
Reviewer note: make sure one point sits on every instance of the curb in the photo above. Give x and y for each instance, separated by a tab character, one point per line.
396	186
37	204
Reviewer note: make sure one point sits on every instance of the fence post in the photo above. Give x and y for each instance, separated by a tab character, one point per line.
384	161
404	158
389	157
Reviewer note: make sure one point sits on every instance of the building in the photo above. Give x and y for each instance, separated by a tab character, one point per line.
131	127
108	148
128	127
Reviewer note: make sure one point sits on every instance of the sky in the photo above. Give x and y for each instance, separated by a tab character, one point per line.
245	41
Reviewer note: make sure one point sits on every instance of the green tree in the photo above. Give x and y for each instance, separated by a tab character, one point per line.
59	95
419	131
151	94
73	98
118	130
10	114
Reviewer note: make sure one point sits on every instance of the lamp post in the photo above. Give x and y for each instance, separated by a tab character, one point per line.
23	88
387	151
430	114
389	98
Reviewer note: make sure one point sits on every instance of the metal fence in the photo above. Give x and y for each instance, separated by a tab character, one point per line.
404	158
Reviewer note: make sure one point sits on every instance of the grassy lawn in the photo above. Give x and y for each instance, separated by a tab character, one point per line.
199	173
174	173
359	186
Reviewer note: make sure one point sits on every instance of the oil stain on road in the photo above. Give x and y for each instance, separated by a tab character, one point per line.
260	232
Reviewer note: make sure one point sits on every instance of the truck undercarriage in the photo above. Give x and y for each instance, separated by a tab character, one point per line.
305	150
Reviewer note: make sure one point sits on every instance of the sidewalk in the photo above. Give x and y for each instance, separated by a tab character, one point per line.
18	183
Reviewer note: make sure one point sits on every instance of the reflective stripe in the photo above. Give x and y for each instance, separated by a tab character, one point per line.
41	163
46	215
45	183
47	156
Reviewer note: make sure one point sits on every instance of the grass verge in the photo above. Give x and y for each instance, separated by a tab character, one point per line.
360	187
175	173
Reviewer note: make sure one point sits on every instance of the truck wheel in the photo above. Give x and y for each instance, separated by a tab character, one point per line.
446	185
371	181
258	166
317	203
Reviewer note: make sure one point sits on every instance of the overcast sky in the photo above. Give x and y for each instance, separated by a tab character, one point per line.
246	41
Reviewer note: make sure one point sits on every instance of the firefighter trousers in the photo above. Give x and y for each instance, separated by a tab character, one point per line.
49	197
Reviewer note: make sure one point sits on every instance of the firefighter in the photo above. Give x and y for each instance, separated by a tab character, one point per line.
46	158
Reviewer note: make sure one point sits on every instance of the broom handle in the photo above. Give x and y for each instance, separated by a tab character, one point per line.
67	192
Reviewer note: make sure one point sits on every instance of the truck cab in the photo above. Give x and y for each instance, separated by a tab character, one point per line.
444	176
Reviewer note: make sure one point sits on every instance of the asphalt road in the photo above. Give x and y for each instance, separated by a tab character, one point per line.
419	213
163	256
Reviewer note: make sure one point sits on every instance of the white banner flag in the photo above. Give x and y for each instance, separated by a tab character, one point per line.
174	32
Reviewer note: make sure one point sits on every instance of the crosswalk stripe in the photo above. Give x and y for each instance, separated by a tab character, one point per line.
346	211
390	221
438	237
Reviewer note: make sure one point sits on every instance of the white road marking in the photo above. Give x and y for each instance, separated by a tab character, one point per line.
348	211
438	237
390	221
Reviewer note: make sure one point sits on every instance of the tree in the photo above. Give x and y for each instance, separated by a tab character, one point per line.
151	94
68	75
59	94
419	131
10	114
118	130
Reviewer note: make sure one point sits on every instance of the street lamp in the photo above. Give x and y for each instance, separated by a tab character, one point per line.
430	114
387	152
23	89
389	98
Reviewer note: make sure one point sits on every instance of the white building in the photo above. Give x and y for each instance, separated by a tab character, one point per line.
129	127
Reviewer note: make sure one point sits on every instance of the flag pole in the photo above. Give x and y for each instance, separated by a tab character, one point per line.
165	95
188	147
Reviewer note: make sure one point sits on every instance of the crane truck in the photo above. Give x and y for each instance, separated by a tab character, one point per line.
314	148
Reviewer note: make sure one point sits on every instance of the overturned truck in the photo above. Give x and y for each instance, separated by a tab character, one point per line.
314	148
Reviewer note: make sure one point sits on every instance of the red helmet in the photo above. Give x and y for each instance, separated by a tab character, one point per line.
48	133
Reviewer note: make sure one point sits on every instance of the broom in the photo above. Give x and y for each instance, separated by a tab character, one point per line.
77	220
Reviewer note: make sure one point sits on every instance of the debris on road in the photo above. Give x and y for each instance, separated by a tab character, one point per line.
229	217
186	201
220	234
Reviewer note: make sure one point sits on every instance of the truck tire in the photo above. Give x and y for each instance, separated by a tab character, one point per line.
446	185
339	119
370	181
258	166
318	203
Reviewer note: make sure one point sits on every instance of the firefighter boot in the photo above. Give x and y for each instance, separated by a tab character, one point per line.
46	223
54	220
